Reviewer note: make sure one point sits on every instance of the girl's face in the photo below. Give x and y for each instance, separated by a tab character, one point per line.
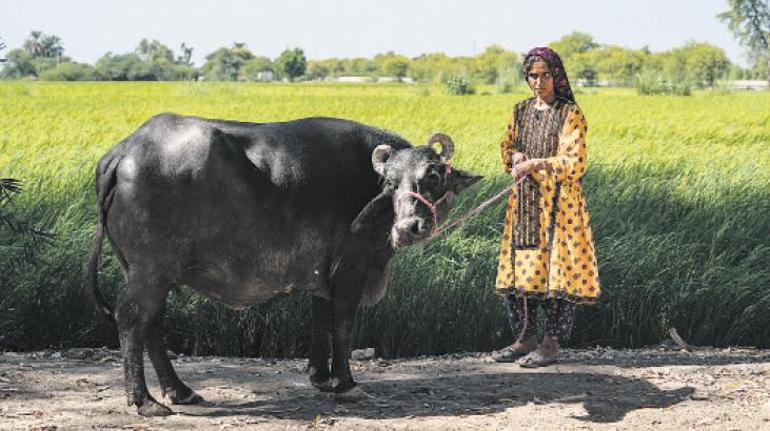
541	81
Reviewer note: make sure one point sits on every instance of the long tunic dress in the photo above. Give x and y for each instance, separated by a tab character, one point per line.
547	248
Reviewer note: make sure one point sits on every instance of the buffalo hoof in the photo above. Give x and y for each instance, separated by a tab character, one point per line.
322	385
351	395
320	380
192	398
152	408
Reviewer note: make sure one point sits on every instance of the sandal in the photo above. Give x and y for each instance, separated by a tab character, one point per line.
535	360
509	354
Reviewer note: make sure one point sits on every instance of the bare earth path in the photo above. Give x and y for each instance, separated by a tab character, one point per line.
589	389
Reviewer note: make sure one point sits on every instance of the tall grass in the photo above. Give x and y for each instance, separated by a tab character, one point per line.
678	190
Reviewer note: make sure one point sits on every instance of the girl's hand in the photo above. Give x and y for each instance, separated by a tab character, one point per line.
517	158
525	168
521	170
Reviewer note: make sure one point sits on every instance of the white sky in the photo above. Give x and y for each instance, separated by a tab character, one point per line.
337	28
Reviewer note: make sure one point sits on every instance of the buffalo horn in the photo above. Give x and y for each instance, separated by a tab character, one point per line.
447	146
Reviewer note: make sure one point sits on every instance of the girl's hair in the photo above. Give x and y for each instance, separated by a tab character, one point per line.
560	82
528	62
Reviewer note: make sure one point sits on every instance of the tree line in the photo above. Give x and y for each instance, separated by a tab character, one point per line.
588	61
702	64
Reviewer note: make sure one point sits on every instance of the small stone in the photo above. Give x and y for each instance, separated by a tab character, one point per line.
362	354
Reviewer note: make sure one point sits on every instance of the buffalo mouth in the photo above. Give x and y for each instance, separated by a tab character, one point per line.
410	232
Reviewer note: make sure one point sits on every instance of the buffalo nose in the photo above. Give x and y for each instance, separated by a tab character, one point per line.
412	227
416	227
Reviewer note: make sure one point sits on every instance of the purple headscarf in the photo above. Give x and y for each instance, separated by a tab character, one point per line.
560	82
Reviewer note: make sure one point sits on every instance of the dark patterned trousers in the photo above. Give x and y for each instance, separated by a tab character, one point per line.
559	317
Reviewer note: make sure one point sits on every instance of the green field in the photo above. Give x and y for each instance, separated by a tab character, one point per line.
678	189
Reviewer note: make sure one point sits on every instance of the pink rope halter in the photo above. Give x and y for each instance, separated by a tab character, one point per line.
431	206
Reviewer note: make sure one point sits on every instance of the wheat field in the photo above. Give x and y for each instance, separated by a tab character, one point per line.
678	189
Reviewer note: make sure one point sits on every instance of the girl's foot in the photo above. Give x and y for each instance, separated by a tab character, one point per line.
516	350
545	354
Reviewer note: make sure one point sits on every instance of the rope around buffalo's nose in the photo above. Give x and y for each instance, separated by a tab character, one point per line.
473	211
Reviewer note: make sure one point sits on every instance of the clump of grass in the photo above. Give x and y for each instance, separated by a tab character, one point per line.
651	84
459	85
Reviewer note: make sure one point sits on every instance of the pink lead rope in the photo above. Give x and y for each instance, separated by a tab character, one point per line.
470	213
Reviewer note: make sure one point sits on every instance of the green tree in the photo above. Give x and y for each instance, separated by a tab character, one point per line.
39	53
392	64
33	43
669	66
749	21
112	67
396	66
252	68
39	44
582	66
291	63
18	64
618	65
705	63
439	67
759	69
359	67
150	61
318	69
225	64
490	65
186	55
578	52
322	69
151	51
572	44
70	72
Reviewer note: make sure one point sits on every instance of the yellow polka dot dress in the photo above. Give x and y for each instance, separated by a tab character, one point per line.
547	247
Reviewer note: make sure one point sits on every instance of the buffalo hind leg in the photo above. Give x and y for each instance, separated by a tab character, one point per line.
171	385
320	344
142	305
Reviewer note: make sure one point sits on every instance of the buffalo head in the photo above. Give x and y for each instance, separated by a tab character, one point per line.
419	185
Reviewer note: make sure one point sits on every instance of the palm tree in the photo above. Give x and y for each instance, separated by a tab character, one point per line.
51	47
39	44
33	44
8	187
29	236
186	56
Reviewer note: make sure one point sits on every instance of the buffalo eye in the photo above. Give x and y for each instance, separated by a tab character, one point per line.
432	178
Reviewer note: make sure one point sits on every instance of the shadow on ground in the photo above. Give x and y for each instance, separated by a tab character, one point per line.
654	357
605	398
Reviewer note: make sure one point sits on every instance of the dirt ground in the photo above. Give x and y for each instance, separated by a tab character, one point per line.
726	389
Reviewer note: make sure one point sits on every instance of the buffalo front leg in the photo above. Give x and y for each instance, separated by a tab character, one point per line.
344	309
141	305
320	344
171	385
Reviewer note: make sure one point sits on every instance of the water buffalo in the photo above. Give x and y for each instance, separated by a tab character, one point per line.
243	212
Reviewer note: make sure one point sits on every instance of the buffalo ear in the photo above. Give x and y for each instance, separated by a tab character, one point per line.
461	180
373	213
380	156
